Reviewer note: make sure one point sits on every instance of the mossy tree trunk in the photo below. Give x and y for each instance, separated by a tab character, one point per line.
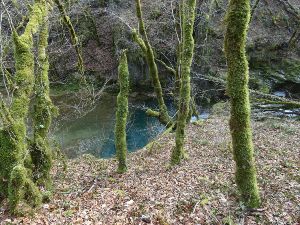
179	49
15	180
122	113
143	41
238	15
188	18
74	38
41	154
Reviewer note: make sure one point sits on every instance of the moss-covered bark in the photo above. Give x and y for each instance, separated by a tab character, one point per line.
42	114
177	84
15	180
238	15
179	49
122	113
22	188
144	43
188	17
74	38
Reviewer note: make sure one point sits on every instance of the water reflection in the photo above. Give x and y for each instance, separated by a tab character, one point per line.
94	132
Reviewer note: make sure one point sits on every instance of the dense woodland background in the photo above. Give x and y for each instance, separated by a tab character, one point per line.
194	171
102	28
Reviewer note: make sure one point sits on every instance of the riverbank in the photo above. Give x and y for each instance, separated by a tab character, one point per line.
200	191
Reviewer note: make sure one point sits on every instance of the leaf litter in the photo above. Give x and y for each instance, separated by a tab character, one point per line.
199	191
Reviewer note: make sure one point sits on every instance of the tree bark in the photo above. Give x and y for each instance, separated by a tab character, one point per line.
238	16
188	17
122	113
43	110
15	179
149	55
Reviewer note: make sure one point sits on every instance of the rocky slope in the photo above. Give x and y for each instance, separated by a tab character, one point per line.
104	28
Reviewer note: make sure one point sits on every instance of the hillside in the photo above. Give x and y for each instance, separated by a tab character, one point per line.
199	191
104	124
105	28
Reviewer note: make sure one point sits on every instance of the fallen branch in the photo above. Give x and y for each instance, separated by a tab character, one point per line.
269	98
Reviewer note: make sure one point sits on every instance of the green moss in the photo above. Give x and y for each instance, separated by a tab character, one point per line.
122	113
21	187
238	15
199	122
144	43
177	84
46	196
41	154
155	14
15	180
74	38
188	18
7	160
152	113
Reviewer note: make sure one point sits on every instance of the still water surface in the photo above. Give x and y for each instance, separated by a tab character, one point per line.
94	132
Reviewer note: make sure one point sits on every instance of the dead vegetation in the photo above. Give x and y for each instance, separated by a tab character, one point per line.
199	191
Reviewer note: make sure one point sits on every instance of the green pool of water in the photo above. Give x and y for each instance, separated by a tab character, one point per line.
94	132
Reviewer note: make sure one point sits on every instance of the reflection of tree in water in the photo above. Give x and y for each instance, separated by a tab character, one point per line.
94	132
78	104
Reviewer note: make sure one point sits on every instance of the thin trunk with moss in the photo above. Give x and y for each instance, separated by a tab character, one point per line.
122	113
188	18
74	38
179	49
142	39
238	15
41	154
15	179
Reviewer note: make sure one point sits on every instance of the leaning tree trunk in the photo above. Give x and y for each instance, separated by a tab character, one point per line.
74	38
15	179
188	17
146	47
41	154
122	112
238	15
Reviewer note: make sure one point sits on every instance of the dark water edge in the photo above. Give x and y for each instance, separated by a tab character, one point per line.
94	132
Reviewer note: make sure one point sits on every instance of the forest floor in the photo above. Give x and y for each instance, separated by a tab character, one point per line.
199	191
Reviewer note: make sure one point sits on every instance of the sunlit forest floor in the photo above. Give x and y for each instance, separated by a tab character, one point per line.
199	191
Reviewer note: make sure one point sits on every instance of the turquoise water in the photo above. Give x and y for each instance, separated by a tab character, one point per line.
94	132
